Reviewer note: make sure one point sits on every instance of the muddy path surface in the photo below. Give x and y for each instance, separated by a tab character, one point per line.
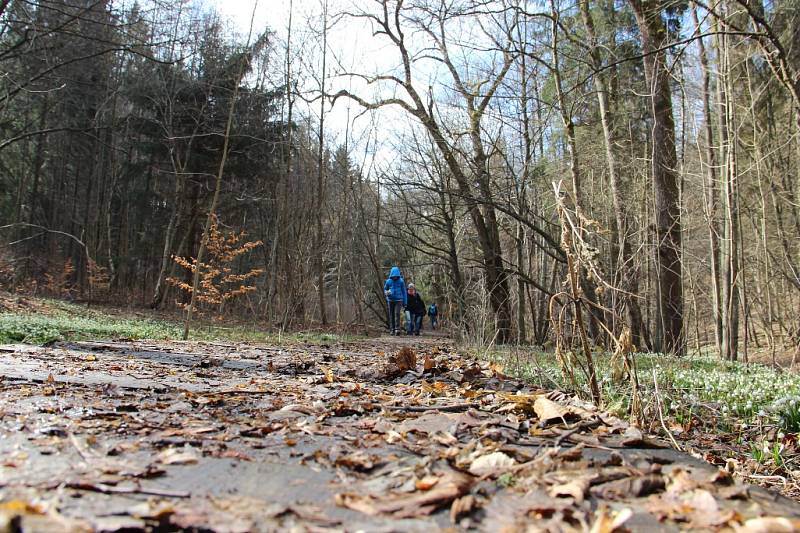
168	436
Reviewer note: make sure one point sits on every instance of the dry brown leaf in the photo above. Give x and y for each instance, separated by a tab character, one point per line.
406	359
575	488
705	512
177	456
462	506
609	521
769	524
360	461
491	464
426	483
198	430
681	481
450	486
632	437
550	411
428	363
630	487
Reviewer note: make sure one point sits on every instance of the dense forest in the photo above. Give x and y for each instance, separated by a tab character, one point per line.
542	170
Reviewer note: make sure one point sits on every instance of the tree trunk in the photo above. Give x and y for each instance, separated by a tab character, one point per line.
710	189
665	179
628	270
321	164
730	249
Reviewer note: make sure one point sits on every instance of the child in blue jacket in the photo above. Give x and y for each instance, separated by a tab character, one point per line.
395	290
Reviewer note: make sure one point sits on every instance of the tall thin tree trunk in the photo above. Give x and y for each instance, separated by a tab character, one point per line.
321	164
665	178
710	190
730	248
628	270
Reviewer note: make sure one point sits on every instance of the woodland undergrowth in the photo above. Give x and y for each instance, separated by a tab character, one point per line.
744	417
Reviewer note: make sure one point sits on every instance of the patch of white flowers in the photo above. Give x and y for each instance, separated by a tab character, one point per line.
747	393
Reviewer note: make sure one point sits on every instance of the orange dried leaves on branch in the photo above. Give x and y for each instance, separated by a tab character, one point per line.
59	281
219	280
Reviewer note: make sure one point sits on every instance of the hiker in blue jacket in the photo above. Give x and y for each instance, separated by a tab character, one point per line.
433	312
395	290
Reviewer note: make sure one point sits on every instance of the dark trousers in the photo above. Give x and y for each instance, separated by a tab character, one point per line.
433	321
414	323
394	315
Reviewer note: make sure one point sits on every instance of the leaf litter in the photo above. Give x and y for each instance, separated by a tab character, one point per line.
381	435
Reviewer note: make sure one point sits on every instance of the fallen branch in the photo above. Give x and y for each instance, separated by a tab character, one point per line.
110	489
422	408
580	426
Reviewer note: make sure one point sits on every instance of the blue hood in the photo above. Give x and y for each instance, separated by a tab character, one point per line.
395	287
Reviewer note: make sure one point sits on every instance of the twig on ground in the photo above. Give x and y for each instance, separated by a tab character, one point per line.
585	424
110	489
423	408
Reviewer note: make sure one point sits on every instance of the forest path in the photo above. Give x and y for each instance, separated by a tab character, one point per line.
165	436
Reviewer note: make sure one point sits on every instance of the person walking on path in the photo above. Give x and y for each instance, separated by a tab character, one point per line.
395	290
433	312
415	310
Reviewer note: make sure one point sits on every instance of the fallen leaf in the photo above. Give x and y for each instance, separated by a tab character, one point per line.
705	512
769	524
630	487
462	506
421	503
549	411
234	454
428	363
177	456
608	521
493	463
20	507
681	481
406	359
426	483
360	461
575	488
632	437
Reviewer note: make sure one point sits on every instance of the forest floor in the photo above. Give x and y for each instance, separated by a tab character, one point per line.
382	434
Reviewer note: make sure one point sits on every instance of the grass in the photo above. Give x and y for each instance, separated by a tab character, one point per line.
726	394
56	320
42	329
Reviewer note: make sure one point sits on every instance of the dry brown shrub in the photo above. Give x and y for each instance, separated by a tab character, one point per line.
218	281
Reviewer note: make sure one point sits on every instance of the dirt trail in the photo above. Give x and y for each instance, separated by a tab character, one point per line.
166	436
